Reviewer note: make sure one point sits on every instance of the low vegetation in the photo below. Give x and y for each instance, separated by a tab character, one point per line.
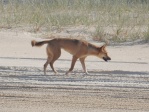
114	20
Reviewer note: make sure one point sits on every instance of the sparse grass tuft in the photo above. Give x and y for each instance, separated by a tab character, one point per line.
146	35
98	35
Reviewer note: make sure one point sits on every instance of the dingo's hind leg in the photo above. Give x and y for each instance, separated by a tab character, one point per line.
46	64
51	65
56	55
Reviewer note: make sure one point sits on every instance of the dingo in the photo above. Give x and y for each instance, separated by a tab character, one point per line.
78	48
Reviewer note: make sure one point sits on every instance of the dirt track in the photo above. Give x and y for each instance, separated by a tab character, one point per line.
121	85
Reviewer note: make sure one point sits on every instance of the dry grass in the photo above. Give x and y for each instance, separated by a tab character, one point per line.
114	20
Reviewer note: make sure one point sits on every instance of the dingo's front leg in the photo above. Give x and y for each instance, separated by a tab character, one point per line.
82	60
74	59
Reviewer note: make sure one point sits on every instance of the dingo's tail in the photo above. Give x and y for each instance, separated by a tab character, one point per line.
35	43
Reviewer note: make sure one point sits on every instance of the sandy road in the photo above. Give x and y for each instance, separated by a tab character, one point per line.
26	87
121	85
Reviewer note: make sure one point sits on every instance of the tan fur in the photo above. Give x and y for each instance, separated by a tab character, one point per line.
33	42
78	48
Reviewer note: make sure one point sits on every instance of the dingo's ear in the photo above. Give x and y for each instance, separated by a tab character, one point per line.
103	47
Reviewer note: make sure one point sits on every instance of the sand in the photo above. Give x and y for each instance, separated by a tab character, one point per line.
120	85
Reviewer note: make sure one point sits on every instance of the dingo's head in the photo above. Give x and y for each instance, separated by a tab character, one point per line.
103	53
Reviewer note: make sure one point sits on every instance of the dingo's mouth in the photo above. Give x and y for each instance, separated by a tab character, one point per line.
106	59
